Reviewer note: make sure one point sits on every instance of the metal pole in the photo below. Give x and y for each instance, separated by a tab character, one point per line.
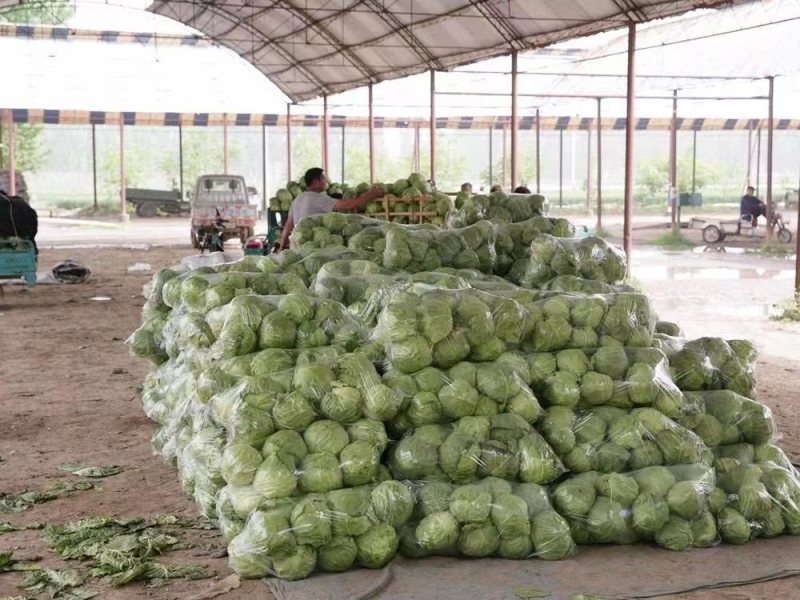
749	151
770	127
758	160
694	162
599	165
797	247
180	156
433	125
288	141
343	156
630	124
263	167
514	124
589	169
505	144
325	164
673	163
538	155
94	166
225	144
123	199
417	157
2	114
12	156
560	168
371	130
491	157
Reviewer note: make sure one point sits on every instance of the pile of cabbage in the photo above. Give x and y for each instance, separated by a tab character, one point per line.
398	391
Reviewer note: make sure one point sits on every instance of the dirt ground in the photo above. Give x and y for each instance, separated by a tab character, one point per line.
67	395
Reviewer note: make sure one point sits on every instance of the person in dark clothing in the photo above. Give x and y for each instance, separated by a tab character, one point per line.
17	218
521	190
750	208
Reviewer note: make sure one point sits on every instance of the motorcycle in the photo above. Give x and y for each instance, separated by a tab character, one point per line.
210	237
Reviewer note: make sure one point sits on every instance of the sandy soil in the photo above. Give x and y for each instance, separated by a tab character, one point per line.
67	395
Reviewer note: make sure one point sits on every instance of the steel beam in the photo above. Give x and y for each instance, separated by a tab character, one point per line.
630	124
433	126
514	123
371	130
225	144
288	141
538	153
94	167
12	155
599	164
770	128
123	201
325	164
673	163
180	157
560	168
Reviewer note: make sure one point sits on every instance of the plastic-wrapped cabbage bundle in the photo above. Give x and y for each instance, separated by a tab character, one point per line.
723	417
710	363
669	505
327	456
489	518
250	323
574	284
669	328
432	396
590	258
575	321
152	290
513	240
330	229
352	281
497	207
419	249
148	340
310	264
613	440
328	532
202	292
607	376
199	462
472	448
443	327
755	497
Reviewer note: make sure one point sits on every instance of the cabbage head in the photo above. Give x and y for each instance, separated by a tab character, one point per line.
437	532
377	546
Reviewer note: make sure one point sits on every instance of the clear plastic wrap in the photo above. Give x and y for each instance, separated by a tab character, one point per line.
420	249
591	258
250	323
579	285
497	207
758	493
668	505
710	363
331	229
472	448
309	264
323	532
724	417
513	241
608	376
613	440
490	518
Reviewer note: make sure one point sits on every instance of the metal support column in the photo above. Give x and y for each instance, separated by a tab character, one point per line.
504	172
123	208
599	165
770	128
514	123
288	142
589	169
538	155
263	166
94	166
630	124
12	155
694	162
325	164
2	115
225	144
417	151
343	155
371	130
749	151
758	160
560	168
491	157
432	126
673	163
180	158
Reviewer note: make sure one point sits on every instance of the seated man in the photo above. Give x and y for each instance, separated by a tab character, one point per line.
750	208
17	218
466	187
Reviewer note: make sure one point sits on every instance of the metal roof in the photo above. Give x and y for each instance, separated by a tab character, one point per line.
311	48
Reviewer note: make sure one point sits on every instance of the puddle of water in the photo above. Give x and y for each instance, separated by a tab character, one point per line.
685	273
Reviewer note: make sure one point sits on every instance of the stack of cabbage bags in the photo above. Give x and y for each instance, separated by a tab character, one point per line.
400	392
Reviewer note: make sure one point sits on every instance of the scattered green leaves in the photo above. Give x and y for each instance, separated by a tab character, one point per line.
9	563
11	503
789	310
93	472
63	584
6	527
529	593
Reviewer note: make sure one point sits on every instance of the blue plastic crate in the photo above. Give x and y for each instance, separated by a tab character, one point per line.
18	260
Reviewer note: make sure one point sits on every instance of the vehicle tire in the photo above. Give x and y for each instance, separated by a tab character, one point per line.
195	243
712	234
784	236
147	210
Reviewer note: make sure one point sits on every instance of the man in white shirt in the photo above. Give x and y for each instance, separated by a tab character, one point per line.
315	201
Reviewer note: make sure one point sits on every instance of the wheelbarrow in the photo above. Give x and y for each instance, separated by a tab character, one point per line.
18	260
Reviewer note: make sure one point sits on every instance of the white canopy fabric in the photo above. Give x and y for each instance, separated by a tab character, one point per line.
310	48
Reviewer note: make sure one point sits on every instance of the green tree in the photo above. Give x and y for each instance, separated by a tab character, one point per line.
108	171
652	177
306	152
451	165
501	173
202	155
29	154
42	12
